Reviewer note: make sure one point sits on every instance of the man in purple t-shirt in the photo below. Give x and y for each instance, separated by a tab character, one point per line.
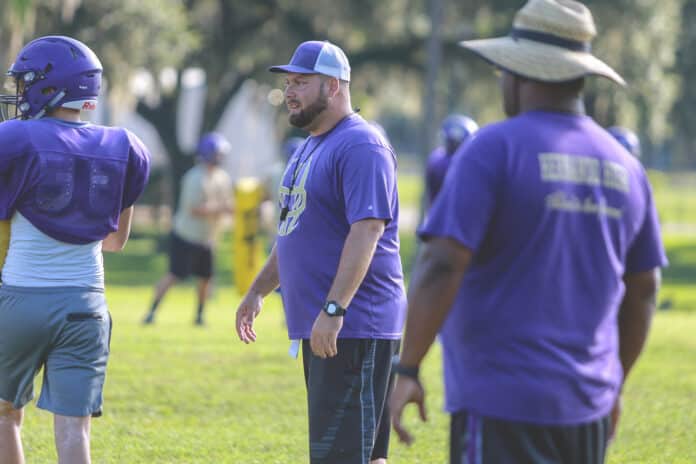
337	260
541	261
68	188
455	130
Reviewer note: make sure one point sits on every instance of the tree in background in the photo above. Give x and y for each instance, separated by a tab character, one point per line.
683	114
17	18
640	39
234	40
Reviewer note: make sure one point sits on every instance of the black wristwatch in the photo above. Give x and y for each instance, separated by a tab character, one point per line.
333	309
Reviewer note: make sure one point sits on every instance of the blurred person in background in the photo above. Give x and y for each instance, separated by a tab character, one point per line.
631	142
204	203
455	130
337	260
68	188
627	138
541	261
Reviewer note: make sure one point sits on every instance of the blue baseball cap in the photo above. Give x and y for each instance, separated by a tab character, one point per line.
317	57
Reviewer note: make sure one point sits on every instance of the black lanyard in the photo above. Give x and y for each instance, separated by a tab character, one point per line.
286	208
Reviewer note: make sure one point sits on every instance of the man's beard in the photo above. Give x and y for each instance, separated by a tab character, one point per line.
306	116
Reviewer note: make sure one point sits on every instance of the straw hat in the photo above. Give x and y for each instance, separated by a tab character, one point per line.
549	42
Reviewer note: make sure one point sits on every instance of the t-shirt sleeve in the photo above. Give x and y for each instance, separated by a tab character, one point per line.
138	171
468	198
14	165
367	178
647	252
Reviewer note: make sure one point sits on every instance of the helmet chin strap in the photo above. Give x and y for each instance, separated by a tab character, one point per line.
50	105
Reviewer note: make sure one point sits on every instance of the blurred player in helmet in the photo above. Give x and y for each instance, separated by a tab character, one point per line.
627	138
455	130
68	188
204	201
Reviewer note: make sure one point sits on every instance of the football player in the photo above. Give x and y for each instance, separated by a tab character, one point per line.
68	188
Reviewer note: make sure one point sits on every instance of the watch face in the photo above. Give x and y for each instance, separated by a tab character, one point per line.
331	308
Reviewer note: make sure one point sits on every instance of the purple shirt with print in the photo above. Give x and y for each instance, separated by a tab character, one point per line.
340	177
70	180
556	213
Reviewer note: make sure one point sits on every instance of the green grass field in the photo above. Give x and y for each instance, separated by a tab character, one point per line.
180	394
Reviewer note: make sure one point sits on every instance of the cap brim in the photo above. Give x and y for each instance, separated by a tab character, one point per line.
289	68
534	60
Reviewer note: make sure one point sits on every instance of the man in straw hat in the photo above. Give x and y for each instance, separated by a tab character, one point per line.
541	261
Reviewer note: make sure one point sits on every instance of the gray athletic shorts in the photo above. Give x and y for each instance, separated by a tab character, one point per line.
65	330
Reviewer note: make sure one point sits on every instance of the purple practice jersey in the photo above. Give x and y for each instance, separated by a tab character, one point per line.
435	171
337	179
556	213
70	180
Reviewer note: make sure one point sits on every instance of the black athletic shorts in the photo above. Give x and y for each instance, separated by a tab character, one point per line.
346	396
484	440
186	258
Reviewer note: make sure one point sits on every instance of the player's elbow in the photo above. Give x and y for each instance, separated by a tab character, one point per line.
113	246
114	243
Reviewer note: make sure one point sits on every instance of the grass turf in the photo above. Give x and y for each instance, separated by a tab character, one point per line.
180	394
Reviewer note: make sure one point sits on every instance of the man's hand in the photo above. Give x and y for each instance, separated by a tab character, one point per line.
324	334
249	308
406	390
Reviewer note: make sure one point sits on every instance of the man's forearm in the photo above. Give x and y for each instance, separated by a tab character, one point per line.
356	257
437	274
635	316
267	279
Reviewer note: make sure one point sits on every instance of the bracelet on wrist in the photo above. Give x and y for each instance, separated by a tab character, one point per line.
407	371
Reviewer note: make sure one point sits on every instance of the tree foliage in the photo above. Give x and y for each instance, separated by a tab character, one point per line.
648	42
683	113
125	34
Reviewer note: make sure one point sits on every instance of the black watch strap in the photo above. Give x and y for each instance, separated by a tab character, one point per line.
333	309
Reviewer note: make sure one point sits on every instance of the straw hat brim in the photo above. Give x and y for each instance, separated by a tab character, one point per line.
538	61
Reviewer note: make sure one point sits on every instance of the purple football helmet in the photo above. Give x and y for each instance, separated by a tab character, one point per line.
51	72
291	145
627	138
457	127
211	147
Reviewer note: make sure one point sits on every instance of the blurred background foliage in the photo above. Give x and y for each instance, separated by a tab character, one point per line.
648	42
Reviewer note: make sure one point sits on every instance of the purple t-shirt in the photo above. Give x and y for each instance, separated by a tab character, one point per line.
435	171
556	213
70	180
340	177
